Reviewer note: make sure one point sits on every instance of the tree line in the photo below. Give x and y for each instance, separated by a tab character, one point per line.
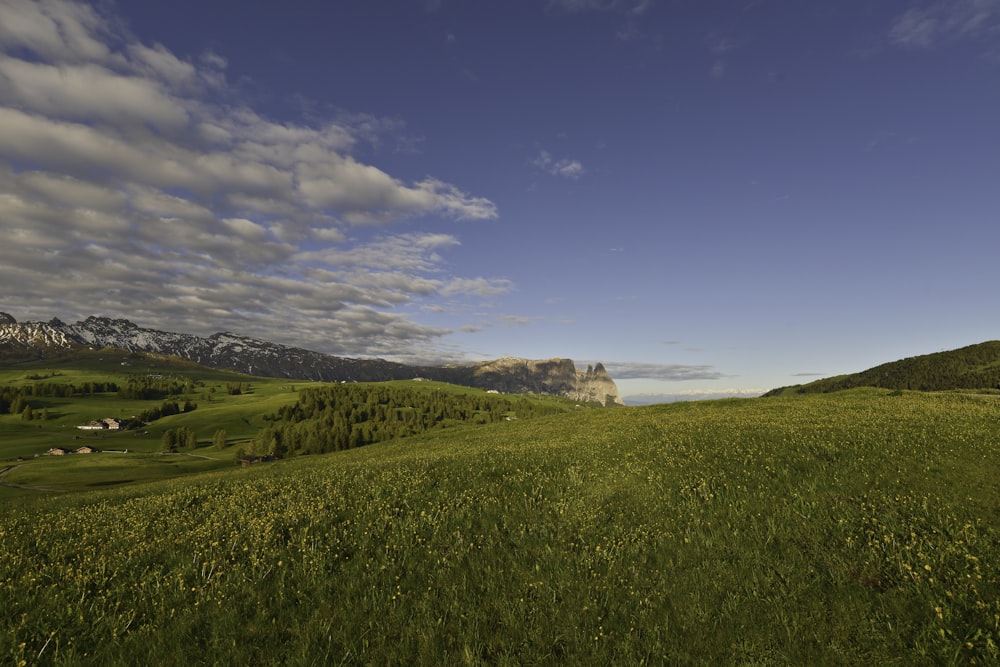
150	388
18	400
165	409
135	388
10	394
336	417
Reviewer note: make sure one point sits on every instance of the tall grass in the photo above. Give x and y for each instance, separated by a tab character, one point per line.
855	528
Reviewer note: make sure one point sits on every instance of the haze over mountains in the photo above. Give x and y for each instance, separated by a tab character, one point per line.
258	357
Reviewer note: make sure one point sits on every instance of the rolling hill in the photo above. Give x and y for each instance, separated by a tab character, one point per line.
975	367
853	528
174	417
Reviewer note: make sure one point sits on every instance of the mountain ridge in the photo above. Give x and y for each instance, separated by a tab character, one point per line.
259	357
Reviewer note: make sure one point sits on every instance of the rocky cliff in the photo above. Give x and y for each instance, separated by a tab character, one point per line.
538	376
595	384
258	357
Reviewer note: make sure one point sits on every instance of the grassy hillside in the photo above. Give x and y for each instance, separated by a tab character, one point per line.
135	455
852	528
974	367
21	441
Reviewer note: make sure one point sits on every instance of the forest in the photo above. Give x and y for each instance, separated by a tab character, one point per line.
344	416
18	400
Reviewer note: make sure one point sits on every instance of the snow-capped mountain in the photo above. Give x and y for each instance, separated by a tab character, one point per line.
259	357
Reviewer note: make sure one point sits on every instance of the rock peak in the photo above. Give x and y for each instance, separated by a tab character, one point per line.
595	384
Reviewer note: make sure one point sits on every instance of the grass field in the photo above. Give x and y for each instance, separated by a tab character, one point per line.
134	455
852	528
241	416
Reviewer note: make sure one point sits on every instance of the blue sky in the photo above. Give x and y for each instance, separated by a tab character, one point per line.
708	197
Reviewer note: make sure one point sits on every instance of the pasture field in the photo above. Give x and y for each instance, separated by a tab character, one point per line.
852	528
127	456
135	455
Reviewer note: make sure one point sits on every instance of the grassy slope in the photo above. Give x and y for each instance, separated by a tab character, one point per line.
975	367
240	416
853	528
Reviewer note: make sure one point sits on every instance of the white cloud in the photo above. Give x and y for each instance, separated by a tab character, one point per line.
914	28
363	194
159	63
55	30
945	20
512	321
137	183
62	190
564	167
155	203
213	61
411	253
477	286
87	92
719	44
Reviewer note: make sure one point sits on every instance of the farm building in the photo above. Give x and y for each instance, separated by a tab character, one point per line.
108	423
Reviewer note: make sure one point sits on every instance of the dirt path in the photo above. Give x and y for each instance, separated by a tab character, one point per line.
11	485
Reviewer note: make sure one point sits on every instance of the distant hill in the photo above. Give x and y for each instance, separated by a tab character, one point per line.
972	367
22	341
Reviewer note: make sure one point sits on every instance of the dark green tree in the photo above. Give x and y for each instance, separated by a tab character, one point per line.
219	439
168	443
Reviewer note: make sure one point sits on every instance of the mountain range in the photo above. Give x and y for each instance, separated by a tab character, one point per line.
24	340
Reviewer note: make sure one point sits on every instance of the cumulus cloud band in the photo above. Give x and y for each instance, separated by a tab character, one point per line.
136	183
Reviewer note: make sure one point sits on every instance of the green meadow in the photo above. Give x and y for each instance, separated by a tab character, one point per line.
136	454
859	527
128	456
